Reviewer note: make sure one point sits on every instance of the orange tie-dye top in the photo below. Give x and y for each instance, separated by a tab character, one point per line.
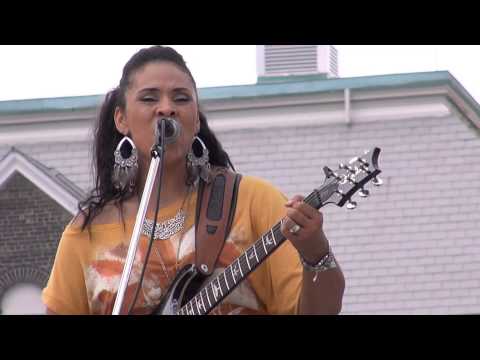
88	264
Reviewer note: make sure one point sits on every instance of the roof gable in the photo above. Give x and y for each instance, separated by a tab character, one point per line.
50	181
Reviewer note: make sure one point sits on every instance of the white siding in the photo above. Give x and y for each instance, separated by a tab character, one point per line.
414	245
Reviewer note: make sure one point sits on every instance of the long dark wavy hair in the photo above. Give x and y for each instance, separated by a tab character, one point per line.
107	137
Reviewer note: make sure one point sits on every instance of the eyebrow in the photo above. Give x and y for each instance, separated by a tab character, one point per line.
154	89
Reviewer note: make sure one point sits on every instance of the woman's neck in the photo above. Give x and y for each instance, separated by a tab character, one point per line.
173	189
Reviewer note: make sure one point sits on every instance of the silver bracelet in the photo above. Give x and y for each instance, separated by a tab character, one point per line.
326	263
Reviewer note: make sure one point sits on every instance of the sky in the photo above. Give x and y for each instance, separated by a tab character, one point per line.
43	71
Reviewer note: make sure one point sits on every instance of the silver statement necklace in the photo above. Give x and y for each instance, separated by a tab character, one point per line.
165	229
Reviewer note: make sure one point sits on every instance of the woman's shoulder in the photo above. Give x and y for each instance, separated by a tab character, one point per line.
250	183
257	192
110	214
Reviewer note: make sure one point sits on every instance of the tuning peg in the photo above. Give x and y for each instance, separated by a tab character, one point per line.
351	205
345	167
364	193
364	168
377	181
360	160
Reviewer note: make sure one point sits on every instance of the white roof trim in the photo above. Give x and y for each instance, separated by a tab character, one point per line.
276	111
16	162
335	113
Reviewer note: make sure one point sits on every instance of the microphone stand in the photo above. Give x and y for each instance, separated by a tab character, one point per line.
157	153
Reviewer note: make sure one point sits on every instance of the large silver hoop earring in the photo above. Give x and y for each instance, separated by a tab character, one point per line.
125	167
197	162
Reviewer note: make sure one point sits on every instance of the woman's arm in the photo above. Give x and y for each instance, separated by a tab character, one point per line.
322	291
50	312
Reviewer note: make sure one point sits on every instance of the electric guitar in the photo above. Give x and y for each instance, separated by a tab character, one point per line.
189	295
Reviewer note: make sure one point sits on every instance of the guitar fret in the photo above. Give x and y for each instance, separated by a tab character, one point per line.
188	311
196	304
269	240
191	305
223	279
216	289
203	304
235	270
240	267
208	297
199	305
273	237
255	250
234	281
248	262
230	273
219	286
263	243
226	280
233	276
279	234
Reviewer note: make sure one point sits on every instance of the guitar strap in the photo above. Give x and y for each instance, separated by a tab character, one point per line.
216	203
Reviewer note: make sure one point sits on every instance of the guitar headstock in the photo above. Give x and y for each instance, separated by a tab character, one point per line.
341	185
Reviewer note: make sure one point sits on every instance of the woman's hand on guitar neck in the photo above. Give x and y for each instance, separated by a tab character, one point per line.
310	240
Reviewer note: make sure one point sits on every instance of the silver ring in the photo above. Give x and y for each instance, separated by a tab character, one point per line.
295	229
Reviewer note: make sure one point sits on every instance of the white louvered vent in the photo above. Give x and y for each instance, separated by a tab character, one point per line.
284	60
290	59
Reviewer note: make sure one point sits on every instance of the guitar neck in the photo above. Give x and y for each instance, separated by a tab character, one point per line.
222	285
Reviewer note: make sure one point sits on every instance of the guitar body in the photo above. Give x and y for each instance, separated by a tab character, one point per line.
186	284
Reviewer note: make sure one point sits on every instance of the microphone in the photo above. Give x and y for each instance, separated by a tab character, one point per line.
172	130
